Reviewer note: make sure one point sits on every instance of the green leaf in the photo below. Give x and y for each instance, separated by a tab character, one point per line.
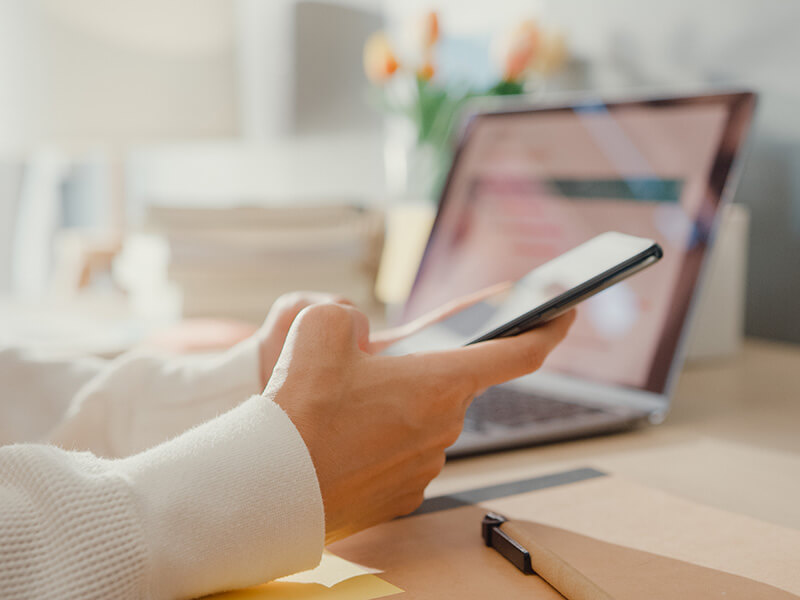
506	88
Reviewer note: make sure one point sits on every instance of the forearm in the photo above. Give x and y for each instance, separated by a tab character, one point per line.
228	504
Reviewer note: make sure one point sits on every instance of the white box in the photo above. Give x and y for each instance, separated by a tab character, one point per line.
717	327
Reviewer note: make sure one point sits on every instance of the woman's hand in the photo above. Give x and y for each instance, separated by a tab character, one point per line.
272	333
376	427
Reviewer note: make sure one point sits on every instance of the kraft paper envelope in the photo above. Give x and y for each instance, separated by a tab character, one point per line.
619	512
619	537
583	568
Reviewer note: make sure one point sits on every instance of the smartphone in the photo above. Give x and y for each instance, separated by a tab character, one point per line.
541	295
599	263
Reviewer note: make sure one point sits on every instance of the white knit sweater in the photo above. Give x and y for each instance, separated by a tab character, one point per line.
111	504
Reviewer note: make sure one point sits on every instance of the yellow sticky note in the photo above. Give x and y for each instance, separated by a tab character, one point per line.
334	579
330	571
363	587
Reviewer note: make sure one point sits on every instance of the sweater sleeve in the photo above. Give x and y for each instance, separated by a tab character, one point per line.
140	400
45	383
231	503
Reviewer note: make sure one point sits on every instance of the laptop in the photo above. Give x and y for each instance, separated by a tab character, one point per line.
530	183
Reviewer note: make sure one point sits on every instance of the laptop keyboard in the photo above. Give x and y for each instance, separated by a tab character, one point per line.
510	408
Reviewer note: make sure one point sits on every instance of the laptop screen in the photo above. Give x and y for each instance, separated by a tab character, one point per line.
527	186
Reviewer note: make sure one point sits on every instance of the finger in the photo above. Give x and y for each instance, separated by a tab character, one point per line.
496	361
330	325
288	306
309	298
360	324
381	340
336	299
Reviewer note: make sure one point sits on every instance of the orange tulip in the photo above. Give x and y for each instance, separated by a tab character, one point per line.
430	30
519	51
380	62
427	71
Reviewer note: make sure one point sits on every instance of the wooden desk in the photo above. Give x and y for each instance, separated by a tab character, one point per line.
732	441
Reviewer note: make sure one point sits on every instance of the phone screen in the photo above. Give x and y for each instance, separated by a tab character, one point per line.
606	253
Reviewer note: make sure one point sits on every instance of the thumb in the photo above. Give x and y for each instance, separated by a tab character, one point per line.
496	361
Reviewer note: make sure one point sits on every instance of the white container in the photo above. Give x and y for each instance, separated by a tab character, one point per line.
717	327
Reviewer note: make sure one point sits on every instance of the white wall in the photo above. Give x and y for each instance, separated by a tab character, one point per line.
169	65
74	71
20	88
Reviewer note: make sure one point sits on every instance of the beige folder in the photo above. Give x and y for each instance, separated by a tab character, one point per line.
597	539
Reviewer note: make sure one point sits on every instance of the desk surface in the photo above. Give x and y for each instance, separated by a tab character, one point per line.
732	441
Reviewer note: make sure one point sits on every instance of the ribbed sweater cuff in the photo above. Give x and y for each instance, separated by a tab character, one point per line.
231	503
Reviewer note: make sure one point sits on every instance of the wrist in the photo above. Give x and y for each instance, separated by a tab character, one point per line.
271	338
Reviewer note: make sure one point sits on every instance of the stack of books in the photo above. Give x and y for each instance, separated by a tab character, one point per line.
235	262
